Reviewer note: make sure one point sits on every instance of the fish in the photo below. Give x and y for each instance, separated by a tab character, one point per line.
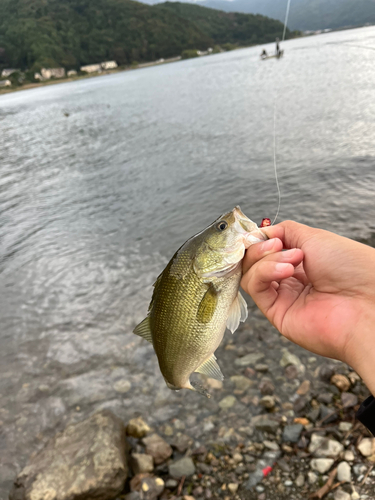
196	297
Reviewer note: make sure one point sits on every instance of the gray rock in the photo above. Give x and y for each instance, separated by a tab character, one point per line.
348	399
182	442
250	359
345	426
266	387
134	495
183	467
157	448
321	465
122	386
140	462
265	424
171	484
86	460
325	397
344	472
327	415
291	433
321	446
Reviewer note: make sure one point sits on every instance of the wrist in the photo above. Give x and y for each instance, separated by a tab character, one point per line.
361	355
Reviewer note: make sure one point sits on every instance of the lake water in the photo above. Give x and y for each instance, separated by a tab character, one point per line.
101	180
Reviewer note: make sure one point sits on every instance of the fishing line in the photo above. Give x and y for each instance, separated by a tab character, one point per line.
274	128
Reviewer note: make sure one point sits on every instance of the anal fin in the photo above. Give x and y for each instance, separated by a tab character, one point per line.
237	313
211	368
144	329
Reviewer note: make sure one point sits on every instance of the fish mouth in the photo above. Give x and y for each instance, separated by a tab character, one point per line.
245	226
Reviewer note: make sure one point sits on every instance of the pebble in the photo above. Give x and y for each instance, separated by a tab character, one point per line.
183	467
344	472
321	465
304	388
122	386
292	433
321	446
264	423
233	487
312	477
259	488
349	456
271	445
289	359
157	448
341	495
341	382
214	384
266	387
171	484
137	428
249	359
267	402
260	367
348	400
300	480
288	483
237	458
227	402
141	462
345	426
327	415
168	430
367	446
241	383
179	424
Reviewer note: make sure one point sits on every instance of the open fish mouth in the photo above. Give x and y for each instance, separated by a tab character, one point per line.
251	232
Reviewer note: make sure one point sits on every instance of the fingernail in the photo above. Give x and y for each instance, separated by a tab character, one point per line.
267	245
280	267
287	254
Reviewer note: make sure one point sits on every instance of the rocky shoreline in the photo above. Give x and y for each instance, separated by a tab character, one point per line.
281	426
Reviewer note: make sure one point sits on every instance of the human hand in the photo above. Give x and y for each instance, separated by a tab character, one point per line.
319	294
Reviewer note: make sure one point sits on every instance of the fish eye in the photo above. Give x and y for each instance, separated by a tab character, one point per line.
222	225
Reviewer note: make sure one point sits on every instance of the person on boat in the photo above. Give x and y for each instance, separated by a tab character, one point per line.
278	51
264	54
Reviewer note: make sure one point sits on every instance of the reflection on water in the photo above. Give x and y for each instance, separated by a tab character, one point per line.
93	205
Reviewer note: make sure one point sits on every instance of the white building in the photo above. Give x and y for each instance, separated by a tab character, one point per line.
109	65
91	68
8	72
5	83
72	72
48	73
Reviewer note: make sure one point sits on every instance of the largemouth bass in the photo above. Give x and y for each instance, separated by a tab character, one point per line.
196	297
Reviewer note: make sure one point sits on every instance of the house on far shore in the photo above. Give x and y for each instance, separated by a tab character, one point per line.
91	68
109	65
72	72
98	68
5	83
48	73
8	72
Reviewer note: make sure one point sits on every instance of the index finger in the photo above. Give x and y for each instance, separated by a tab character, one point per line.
291	233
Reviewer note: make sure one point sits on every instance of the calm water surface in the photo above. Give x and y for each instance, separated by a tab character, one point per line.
92	205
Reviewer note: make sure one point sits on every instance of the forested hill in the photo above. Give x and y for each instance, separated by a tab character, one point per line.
71	33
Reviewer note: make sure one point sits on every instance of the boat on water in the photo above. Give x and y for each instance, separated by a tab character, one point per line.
273	56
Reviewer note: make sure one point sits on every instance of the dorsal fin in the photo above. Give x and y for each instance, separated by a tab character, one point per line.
211	368
144	329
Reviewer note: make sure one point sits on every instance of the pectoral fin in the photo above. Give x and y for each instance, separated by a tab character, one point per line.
144	329
207	306
237	313
211	368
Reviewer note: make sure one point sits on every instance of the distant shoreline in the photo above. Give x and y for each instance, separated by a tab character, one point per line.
55	81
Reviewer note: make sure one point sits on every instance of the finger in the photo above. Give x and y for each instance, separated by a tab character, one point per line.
260	250
258	282
292	234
